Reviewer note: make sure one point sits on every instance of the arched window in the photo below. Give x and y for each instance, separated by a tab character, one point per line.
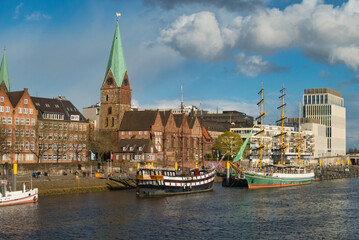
106	122
109	110
113	122
106	97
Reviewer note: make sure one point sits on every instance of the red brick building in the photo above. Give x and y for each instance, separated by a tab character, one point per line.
37	129
173	136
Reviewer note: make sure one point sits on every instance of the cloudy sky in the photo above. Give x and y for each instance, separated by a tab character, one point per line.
222	51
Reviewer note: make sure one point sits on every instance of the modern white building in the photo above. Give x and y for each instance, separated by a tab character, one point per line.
272	143
327	106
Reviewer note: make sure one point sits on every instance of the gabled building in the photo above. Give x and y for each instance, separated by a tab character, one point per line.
35	129
173	136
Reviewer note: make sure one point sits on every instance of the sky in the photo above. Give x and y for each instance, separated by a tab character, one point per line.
222	51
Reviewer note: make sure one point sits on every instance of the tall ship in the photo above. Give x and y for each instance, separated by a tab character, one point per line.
279	174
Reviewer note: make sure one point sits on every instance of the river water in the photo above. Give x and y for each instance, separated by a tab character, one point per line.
322	210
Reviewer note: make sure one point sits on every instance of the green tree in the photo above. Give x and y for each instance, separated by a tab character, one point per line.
228	143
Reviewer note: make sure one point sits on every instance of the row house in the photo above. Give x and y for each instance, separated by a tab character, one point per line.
173	136
37	129
135	150
63	132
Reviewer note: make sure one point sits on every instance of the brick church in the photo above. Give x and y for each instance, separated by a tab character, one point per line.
145	135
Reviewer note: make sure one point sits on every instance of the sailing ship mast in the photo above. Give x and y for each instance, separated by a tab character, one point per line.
299	140
282	146
261	128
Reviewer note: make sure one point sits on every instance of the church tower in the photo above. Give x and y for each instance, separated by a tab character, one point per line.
115	90
4	74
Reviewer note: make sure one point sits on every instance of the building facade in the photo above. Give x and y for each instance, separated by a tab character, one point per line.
37	129
271	152
327	105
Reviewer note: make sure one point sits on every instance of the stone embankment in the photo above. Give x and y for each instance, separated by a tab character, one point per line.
69	178
335	172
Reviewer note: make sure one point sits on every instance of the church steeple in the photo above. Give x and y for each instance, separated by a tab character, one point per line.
116	62
4	74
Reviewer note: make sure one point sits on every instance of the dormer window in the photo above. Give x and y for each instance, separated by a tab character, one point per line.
56	106
37	104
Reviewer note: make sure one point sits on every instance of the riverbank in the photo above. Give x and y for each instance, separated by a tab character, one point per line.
71	184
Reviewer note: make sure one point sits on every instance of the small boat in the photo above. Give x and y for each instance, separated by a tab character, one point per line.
162	182
17	197
278	178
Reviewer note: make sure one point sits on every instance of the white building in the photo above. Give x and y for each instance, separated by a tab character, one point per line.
327	105
272	143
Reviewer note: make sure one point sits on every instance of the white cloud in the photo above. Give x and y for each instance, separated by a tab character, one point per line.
17	10
323	33
195	36
37	16
253	66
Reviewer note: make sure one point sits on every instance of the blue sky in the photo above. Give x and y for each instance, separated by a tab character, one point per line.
223	51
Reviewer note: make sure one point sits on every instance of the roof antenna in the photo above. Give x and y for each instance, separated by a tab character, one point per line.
182	107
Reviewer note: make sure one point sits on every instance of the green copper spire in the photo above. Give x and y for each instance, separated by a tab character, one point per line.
4	75
116	61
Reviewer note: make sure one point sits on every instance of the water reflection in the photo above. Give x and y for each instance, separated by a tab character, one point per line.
327	209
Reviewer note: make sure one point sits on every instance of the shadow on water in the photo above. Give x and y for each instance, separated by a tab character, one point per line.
327	209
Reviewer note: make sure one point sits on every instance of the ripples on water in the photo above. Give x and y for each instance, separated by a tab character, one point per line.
322	210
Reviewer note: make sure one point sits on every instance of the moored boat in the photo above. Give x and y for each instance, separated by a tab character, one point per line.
162	182
17	197
268	179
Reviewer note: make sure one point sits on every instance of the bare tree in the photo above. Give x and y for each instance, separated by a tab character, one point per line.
4	147
101	142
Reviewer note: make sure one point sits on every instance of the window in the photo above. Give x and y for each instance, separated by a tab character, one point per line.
25	110
7	109
140	132
37	104
28	121
9	120
109	111
71	127
25	101
1	109
30	110
113	122
17	122
47	105
50	157
76	128
32	121
22	121
22	133
20	110
45	156
9	132
27	146
27	133
3	120
71	137
106	97
84	128
80	128
1	99
56	106
32	133
16	132
122	133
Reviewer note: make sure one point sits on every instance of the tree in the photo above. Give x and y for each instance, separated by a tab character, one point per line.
101	143
228	143
4	147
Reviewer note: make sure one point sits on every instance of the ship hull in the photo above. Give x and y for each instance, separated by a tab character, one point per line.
19	197
161	185
256	181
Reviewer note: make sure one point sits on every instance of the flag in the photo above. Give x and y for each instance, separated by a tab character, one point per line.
118	14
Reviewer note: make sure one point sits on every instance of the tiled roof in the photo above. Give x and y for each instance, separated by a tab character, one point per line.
146	145
178	119
57	106
138	120
165	115
15	97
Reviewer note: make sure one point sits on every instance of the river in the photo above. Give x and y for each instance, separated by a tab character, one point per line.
322	210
